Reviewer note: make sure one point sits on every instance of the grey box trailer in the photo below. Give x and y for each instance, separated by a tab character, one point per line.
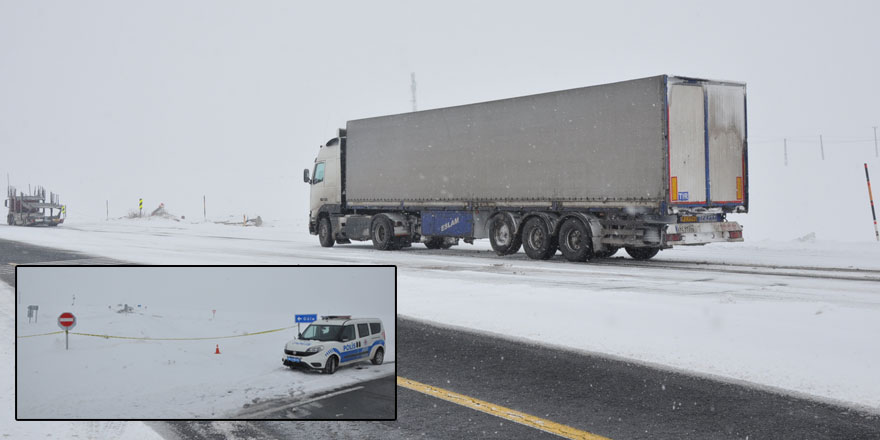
642	164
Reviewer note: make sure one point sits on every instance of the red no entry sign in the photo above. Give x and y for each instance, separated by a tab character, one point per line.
66	321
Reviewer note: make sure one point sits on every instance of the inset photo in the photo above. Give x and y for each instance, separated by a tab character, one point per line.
205	342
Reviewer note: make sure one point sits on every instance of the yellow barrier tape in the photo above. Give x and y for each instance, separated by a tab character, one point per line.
163	339
41	334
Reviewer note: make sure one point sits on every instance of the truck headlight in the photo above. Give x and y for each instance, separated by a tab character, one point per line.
315	349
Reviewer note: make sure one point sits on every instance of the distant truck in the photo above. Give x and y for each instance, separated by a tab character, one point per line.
33	209
644	164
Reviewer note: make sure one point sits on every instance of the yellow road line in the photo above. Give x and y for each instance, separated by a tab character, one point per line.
499	411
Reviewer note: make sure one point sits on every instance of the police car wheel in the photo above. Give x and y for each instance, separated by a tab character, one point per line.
330	366
379	357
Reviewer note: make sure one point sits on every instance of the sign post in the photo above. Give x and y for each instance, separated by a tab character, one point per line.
33	311
304	318
66	321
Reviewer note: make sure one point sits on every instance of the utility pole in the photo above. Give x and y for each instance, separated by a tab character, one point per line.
821	147
413	88
108	209
785	150
205	208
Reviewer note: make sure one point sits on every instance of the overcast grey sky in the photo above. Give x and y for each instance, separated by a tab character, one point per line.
121	99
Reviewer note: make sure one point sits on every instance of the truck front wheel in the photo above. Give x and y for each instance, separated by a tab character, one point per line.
10	220
382	233
325	232
503	236
642	253
575	241
537	240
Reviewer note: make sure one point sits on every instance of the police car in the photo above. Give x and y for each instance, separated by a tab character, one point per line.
334	341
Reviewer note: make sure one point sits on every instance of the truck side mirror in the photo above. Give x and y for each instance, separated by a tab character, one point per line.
306	176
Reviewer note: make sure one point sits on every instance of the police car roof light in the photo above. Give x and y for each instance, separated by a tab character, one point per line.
337	317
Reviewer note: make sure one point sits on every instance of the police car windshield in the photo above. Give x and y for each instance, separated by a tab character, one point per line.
322	332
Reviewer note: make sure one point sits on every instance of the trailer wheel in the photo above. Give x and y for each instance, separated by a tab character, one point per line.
325	233
537	240
642	253
575	241
502	235
382	234
438	243
608	252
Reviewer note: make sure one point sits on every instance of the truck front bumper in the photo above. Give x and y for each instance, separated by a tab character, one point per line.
702	233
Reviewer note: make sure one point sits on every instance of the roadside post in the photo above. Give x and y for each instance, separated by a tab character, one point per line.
304	318
871	198
140	207
32	312
67	322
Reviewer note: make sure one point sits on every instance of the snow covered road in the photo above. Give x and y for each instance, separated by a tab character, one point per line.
805	335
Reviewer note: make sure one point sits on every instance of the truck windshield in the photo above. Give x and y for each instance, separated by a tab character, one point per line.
321	332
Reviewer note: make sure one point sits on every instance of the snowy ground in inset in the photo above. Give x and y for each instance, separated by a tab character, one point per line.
11	429
808	336
118	378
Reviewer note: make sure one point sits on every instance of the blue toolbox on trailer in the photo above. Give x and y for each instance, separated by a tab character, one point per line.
448	223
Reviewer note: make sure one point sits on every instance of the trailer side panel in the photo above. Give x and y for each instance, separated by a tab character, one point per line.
603	144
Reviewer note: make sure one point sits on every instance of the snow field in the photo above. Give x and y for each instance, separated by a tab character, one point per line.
111	378
807	336
40	430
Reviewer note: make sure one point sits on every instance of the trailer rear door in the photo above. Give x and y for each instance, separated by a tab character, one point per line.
726	135
687	145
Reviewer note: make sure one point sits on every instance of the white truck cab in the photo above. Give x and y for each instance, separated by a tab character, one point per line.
326	187
334	341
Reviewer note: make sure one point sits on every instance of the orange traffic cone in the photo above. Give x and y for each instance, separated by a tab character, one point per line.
218	349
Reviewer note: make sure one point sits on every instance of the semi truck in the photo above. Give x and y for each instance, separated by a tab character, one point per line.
33	209
644	165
